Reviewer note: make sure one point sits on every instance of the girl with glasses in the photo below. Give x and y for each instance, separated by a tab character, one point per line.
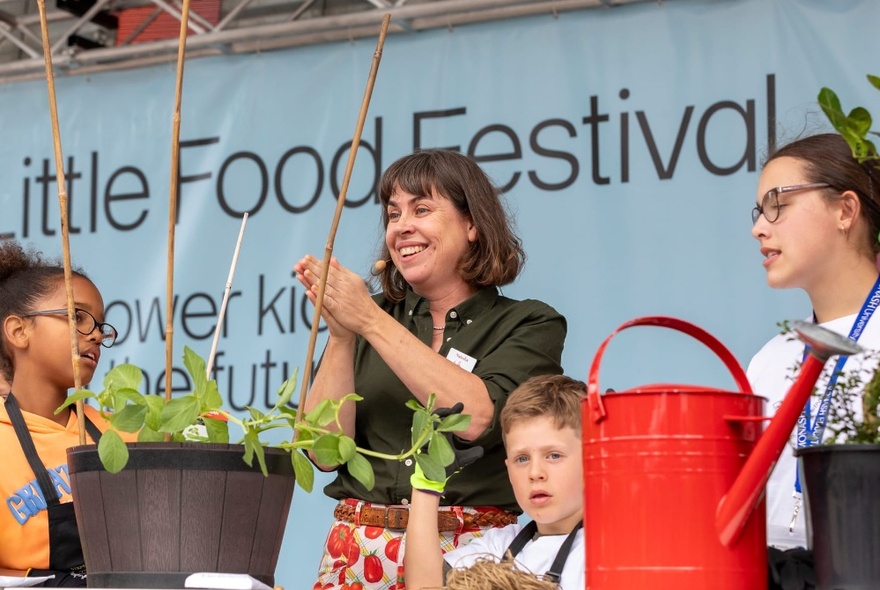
817	220
38	534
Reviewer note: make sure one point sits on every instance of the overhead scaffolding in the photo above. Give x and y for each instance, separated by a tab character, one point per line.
89	36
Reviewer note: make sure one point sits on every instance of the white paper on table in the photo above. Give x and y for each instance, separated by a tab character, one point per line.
224	581
22	582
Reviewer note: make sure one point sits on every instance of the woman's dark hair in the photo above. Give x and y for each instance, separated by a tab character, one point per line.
496	257
25	277
828	158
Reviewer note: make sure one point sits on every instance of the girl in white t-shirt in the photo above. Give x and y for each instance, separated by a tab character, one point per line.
817	220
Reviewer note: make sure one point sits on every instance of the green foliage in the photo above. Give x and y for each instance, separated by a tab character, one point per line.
854	127
198	416
852	415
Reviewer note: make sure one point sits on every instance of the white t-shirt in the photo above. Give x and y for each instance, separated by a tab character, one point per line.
771	373
536	557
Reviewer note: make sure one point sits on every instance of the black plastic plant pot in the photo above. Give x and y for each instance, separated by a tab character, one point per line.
178	509
842	496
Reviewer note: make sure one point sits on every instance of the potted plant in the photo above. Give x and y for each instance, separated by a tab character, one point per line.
153	512
840	480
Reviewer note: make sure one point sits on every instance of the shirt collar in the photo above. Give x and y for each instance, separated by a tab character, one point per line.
465	312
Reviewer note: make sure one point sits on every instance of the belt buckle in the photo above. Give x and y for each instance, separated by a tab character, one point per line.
396	517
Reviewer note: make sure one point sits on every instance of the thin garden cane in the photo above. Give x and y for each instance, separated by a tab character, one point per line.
210	365
172	202
340	201
65	229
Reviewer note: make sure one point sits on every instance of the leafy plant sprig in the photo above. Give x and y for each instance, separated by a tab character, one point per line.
853	412
198	416
853	127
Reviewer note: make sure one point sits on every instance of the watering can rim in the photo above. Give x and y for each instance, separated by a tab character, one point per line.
739	376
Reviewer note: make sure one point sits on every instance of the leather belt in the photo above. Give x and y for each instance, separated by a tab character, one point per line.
396	517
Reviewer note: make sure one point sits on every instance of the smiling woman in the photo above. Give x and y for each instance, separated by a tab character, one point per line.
38	534
439	326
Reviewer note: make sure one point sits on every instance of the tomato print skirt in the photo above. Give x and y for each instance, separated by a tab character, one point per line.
363	557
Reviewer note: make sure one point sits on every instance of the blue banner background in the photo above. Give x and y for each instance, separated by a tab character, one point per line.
630	140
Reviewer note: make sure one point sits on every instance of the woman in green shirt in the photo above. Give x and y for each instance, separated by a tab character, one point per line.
440	325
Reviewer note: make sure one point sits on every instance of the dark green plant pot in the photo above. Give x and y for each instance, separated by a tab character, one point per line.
842	496
177	509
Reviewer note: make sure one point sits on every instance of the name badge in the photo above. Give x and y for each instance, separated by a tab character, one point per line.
462	360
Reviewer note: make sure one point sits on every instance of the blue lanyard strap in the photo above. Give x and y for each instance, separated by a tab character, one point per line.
809	431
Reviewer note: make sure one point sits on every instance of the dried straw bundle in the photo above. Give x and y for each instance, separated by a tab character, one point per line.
490	574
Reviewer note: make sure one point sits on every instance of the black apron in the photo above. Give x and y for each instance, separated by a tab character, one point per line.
65	552
554	574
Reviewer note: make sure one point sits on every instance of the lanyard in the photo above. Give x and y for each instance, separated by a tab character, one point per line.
809	430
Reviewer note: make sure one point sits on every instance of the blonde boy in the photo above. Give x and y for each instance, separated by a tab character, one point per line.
541	428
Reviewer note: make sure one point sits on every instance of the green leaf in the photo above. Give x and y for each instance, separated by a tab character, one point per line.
303	434
147	434
252	447
322	414
112	452
454	423
129	419
124	376
212	399
132	395
74	397
875	81
218	430
155	405
859	121
303	470
260	452
256	414
361	470
441	451
197	369
347	448
431	468
285	392
350	397
180	413
831	107
414	405
326	450
422	423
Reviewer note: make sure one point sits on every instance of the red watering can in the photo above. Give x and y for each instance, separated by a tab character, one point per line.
674	475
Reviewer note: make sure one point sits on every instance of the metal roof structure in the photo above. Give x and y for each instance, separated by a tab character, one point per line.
88	36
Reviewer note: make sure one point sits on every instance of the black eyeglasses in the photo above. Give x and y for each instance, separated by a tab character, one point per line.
85	324
769	206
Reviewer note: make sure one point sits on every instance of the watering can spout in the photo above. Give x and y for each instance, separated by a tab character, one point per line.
735	508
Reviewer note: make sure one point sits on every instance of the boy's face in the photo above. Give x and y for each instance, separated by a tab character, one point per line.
545	468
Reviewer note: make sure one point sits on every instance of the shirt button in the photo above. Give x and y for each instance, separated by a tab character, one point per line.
408	462
404	502
453	314
410	312
469	322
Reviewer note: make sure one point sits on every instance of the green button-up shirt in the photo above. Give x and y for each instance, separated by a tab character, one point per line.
509	340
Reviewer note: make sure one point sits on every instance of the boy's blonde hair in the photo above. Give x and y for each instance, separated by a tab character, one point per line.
556	396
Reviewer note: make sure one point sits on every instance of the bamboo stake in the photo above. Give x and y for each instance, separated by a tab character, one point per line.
65	229
225	302
172	205
328	248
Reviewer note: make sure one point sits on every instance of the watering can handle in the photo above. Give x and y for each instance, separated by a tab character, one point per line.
594	398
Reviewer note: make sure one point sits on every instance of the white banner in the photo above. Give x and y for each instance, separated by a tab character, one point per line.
628	140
